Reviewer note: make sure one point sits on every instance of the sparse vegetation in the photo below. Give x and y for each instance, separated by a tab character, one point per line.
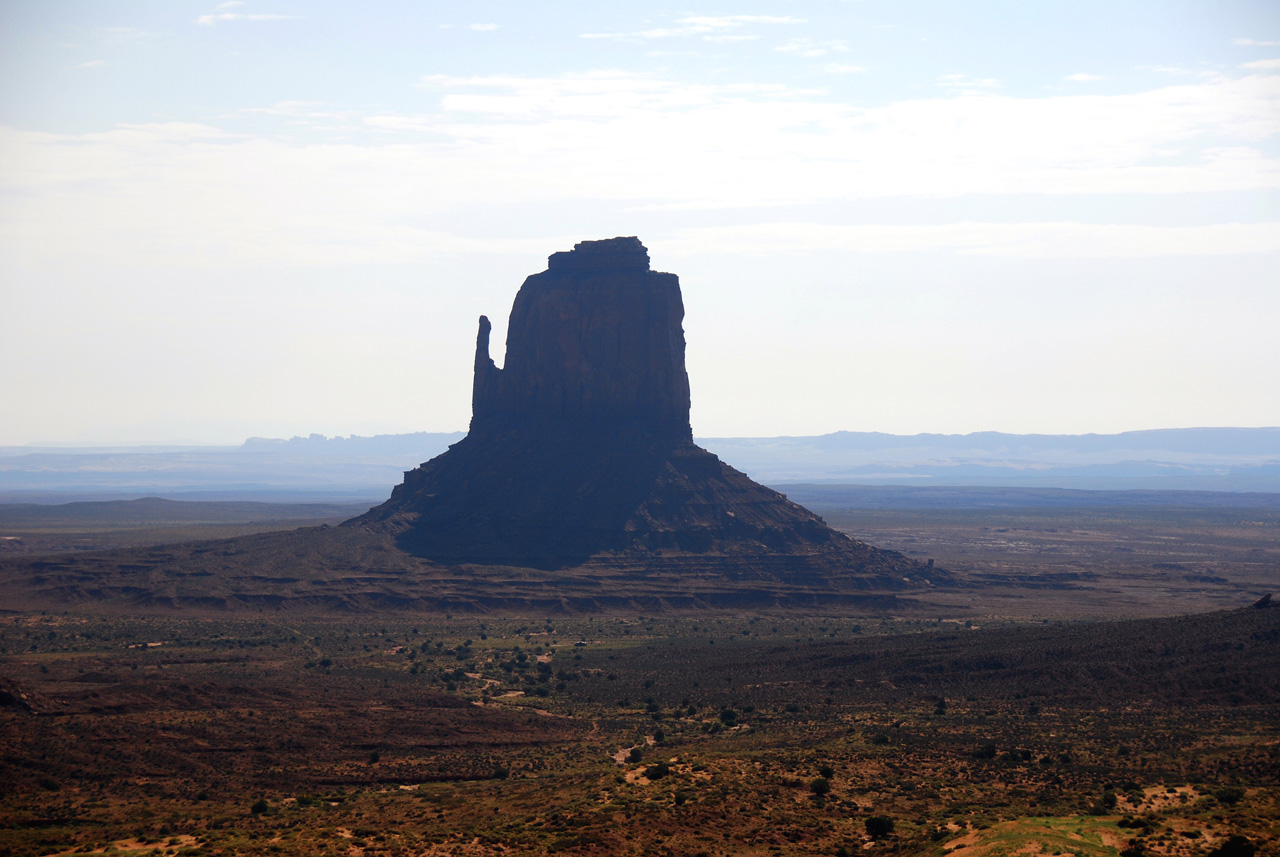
211	731
264	731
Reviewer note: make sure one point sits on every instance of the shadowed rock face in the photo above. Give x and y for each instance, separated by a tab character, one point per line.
594	341
580	450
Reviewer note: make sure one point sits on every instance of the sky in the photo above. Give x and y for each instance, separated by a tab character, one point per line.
275	217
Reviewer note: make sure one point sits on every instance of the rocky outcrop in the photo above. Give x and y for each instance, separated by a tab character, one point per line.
580	451
595	340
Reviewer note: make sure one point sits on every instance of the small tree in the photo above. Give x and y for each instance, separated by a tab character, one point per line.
1235	846
878	826
1229	795
820	786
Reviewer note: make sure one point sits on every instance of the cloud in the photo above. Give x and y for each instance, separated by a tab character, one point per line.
594	95
126	35
1262	65
219	15
811	48
710	28
187	194
1048	240
1084	78
311	114
843	68
737	20
963	81
482	28
92	64
1255	43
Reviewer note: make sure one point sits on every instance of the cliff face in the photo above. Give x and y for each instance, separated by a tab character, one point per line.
595	340
580	451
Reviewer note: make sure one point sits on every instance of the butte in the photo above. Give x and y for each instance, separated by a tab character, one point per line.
580	451
578	488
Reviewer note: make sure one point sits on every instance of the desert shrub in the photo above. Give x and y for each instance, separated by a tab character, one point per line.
1229	795
259	806
1235	846
878	826
820	786
1105	804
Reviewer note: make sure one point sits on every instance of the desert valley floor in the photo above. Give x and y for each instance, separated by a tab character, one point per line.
1101	684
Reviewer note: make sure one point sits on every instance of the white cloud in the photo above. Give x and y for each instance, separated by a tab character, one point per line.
197	195
219	15
963	81
1255	43
812	48
1084	78
125	35
483	28
712	28
92	64
843	68
308	113
1262	65
1051	240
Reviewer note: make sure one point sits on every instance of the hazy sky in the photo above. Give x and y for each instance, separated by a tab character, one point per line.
276	217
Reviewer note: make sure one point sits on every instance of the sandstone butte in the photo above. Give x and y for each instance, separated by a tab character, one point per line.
578	487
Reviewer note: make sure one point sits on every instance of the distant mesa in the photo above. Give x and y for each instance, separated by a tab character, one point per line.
580	450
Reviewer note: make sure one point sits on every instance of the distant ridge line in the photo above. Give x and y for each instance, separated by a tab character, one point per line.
1231	459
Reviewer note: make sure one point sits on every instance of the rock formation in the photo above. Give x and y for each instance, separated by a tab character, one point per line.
595	340
580	451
